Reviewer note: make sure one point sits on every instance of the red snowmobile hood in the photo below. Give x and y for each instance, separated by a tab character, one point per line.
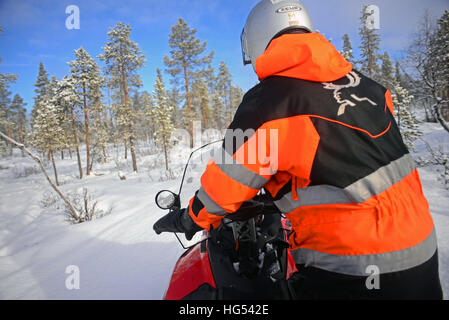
306	56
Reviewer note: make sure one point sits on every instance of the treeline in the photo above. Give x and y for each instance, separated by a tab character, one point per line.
96	106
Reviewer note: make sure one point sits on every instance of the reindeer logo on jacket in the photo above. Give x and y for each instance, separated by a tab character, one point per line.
354	81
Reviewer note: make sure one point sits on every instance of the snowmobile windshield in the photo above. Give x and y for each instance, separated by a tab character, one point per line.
192	180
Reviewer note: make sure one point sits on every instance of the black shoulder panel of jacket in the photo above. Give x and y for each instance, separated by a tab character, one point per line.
358	133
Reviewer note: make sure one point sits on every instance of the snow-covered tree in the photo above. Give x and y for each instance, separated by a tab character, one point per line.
88	82
64	140
123	58
406	120
46	131
19	118
185	58
162	116
69	98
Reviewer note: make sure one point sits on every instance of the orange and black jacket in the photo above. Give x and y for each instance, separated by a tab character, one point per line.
338	166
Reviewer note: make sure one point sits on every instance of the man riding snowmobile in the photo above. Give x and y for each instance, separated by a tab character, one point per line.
361	226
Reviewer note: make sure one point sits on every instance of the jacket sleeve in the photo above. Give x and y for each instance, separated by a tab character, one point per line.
237	171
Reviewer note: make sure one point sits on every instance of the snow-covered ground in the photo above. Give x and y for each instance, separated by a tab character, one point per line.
119	256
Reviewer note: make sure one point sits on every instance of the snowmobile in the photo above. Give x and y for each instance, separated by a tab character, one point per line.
246	257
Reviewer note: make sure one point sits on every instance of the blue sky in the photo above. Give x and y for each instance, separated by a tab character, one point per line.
35	31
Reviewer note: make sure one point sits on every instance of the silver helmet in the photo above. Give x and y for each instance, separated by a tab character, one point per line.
268	19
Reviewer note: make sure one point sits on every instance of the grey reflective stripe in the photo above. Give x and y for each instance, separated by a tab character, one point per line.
311	196
238	172
381	179
210	204
360	191
357	264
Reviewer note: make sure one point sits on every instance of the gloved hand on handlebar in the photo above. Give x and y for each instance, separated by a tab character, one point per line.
178	220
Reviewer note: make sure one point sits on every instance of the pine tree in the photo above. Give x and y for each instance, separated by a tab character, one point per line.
347	51
18	114
116	110
370	42
398	75
69	98
41	85
5	104
201	100
46	126
148	127
184	60
137	112
208	74
174	99
5	112
406	120
235	98
231	95
386	71
97	112
5	100
123	58
217	108
63	140
223	87
162	113
88	82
